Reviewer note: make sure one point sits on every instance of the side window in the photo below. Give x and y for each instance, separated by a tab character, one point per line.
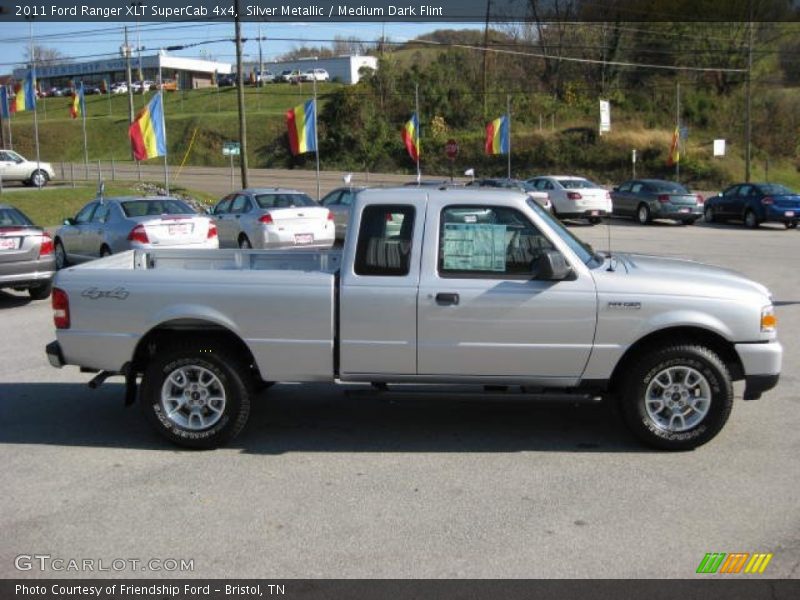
238	204
346	198
488	241
384	240
625	187
85	215
548	185
745	190
636	188
101	214
248	206
223	207
730	192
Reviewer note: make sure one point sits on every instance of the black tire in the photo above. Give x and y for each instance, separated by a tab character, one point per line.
40	292
708	215
233	377
105	251
61	256
649	370
791	224
244	243
38	179
688	221
643	214
594	220
751	220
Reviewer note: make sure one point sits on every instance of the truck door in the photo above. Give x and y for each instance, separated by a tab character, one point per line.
482	312
378	297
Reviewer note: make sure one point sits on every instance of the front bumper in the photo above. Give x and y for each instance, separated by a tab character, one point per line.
54	355
762	367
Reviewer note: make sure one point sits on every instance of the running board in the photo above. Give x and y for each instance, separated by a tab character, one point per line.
512	393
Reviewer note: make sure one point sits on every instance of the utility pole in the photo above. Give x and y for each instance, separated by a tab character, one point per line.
126	52
240	98
748	125
486	53
678	129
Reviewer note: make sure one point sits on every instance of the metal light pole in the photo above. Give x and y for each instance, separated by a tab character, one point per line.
240	99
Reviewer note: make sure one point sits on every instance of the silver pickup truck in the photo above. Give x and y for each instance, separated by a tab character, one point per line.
433	288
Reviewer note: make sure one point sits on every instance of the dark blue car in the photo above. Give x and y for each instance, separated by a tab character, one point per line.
755	203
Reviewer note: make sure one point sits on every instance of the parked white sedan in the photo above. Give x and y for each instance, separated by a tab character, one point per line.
273	218
575	197
14	167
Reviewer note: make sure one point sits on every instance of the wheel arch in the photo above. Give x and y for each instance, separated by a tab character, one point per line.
196	331
679	335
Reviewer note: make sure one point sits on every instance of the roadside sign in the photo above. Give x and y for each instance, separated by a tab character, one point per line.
451	149
231	149
719	147
605	116
684	133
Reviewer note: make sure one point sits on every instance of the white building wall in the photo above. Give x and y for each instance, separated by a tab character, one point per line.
341	68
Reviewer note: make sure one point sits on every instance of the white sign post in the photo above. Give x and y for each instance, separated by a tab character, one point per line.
605	116
633	161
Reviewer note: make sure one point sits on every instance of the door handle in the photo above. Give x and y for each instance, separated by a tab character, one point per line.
447	299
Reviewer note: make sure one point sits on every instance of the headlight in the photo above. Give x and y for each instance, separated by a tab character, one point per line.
769	322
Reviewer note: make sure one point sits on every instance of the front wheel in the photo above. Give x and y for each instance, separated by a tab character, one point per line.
38	178
61	256
643	214
197	396
677	398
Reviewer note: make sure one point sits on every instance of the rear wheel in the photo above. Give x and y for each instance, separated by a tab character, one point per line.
61	256
643	214
708	214
40	292
688	221
594	220
677	398
750	219
791	224
197	396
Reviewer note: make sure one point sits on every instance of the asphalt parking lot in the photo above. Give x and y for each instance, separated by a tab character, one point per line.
323	485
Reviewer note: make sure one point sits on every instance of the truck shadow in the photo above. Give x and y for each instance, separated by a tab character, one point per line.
319	418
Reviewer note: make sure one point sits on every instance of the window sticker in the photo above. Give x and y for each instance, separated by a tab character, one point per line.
474	247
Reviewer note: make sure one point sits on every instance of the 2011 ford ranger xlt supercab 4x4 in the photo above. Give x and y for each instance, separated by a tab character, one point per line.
432	287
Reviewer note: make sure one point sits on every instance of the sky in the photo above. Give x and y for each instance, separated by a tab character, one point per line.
101	41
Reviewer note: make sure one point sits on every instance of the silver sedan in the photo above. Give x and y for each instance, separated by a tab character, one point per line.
111	225
26	254
273	218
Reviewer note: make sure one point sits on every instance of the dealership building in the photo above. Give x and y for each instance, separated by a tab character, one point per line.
344	69
190	73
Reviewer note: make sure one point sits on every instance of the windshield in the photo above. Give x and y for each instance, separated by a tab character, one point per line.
577	184
667	187
10	217
773	189
582	249
284	200
164	206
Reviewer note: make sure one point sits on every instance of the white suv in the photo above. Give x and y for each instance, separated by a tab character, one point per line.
318	74
14	167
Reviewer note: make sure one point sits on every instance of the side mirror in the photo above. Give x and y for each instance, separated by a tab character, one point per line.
69	221
551	266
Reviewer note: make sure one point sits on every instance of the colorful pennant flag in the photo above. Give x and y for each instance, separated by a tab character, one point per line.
77	105
301	123
497	136
25	98
411	137
674	156
4	108
148	138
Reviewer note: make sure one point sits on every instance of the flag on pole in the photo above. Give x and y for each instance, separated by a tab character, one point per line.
497	137
25	98
77	106
148	138
4	108
674	156
411	137
301	121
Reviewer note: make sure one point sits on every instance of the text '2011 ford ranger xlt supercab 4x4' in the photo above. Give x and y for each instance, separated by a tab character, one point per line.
432	287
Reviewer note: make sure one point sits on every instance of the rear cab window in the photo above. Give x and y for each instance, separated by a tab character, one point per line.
385	240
